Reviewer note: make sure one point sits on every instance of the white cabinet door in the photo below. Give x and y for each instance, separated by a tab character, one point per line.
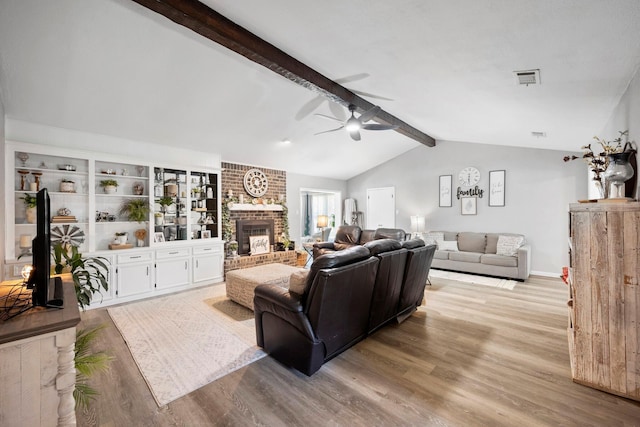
134	279
207	267
172	272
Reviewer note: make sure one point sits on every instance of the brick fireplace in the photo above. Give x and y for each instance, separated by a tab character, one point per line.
232	178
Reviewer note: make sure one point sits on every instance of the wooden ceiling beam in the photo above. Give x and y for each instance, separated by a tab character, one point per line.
210	24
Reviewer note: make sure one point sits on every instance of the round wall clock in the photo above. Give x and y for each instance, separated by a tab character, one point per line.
469	176
255	182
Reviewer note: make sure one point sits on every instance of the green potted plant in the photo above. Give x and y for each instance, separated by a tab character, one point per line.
165	202
90	275
135	210
30	207
87	362
110	186
232	246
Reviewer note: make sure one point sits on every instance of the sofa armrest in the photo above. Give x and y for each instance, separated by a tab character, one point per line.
283	304
524	261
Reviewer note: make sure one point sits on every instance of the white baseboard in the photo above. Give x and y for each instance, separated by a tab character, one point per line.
545	274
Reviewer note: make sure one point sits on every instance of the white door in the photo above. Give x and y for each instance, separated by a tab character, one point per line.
381	208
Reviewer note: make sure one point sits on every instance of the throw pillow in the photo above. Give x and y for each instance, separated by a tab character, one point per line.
432	237
508	245
446	245
297	281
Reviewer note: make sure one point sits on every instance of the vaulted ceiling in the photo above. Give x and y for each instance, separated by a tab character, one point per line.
116	68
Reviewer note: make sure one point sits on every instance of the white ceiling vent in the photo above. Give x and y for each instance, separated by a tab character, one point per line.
528	77
539	134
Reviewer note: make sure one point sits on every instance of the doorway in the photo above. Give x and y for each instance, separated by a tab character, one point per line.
381	208
316	203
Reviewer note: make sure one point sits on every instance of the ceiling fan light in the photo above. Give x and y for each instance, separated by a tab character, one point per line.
352	125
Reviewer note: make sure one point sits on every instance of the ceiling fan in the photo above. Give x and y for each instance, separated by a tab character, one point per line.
353	124
314	103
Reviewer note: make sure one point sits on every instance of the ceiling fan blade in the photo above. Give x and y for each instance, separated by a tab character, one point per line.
337	111
328	117
327	131
309	107
377	126
369	114
352	78
355	135
370	95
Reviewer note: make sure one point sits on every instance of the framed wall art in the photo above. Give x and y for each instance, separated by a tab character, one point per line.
496	187
468	205
259	244
206	234
445	183
158	236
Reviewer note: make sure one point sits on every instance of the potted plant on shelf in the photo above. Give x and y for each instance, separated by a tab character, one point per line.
121	238
30	207
165	202
159	218
109	186
135	210
232	246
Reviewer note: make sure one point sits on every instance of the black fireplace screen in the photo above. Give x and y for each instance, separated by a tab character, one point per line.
252	227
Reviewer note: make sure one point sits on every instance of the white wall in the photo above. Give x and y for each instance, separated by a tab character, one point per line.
626	116
539	188
21	131
2	187
295	182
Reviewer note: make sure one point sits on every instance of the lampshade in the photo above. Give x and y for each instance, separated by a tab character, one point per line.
417	224
323	221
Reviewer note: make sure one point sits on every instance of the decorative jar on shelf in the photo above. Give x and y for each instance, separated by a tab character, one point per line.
617	173
159	218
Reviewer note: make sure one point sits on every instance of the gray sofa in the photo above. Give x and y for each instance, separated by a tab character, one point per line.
490	254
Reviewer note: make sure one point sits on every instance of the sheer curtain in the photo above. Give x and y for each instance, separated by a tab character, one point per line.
314	204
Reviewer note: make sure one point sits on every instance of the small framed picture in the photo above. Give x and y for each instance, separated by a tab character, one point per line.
496	187
206	234
445	184
468	206
158	236
259	244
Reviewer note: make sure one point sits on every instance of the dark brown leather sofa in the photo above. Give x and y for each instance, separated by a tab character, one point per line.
351	235
348	294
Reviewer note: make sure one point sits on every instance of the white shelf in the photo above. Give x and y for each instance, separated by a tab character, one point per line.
252	207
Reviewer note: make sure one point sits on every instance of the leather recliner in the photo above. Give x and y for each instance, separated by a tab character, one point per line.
304	331
416	274
386	292
350	235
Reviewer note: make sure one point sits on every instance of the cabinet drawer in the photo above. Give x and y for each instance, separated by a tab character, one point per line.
172	253
204	250
137	257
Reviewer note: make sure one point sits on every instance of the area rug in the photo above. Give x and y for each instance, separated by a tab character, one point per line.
473	279
184	341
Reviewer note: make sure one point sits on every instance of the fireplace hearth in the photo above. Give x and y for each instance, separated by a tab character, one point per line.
252	227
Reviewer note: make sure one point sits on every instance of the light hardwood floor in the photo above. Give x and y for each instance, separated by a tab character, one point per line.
473	356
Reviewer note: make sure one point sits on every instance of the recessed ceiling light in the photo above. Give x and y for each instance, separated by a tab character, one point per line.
286	141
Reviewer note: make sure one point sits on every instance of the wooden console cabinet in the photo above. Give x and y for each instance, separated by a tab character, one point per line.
604	297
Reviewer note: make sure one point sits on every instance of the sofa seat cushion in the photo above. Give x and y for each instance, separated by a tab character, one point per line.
465	256
441	255
499	260
472	242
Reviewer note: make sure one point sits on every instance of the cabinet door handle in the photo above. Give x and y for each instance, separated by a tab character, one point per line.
147	270
134	257
185	265
173	253
197	265
206	249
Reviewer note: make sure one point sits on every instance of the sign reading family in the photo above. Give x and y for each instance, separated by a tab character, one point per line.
474	192
259	244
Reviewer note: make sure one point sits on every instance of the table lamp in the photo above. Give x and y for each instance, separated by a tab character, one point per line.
417	225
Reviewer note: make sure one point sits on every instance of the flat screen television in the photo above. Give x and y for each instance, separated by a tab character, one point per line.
47	291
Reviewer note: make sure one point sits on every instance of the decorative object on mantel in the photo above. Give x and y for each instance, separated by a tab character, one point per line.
599	163
255	183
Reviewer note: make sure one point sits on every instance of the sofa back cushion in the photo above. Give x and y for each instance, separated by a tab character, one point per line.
390	233
346	236
367	236
472	242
